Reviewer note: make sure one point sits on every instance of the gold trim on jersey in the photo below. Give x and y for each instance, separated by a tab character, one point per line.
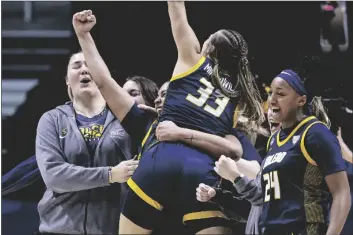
145	139
134	187
203	215
269	140
302	144
236	116
189	71
280	143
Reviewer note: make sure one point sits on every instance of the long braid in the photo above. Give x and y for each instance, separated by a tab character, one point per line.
230	58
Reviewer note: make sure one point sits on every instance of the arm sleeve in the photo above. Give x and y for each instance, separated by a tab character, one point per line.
136	122
323	147
59	175
245	188
250	190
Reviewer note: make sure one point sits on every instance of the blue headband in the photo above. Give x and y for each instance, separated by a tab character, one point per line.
294	81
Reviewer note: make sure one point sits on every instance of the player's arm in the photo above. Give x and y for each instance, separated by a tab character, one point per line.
249	168
324	149
249	164
185	39
59	175
213	144
346	152
243	188
119	101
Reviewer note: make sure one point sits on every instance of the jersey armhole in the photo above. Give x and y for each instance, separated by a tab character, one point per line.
145	139
189	71
302	144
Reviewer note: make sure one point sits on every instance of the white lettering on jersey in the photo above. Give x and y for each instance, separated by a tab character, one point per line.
208	69
278	157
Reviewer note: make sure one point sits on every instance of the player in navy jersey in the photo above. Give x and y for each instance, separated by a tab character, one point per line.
303	164
144	91
205	88
152	186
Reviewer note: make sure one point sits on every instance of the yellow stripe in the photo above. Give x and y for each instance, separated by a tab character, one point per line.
145	138
269	139
280	143
302	144
190	71
236	116
203	215
134	187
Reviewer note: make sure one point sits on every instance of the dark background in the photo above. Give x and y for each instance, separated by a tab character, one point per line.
135	38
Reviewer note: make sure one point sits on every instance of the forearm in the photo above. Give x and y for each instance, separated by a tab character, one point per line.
117	98
248	168
339	211
98	69
69	178
177	13
245	188
250	190
346	152
212	144
184	36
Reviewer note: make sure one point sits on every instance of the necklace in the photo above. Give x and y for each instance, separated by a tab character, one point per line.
95	114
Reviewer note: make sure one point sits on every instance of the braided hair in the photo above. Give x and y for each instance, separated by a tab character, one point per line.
228	50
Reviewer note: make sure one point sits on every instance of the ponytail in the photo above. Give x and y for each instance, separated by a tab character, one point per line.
244	88
318	110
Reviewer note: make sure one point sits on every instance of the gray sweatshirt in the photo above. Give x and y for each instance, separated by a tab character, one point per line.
250	190
78	198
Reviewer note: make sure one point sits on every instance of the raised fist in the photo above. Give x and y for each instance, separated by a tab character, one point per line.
83	22
227	168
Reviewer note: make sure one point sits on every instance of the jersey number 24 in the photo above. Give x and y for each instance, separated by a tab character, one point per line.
272	182
205	94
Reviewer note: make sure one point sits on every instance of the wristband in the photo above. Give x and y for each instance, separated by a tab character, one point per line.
238	178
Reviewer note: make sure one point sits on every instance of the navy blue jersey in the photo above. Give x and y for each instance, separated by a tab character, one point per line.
296	197
137	123
193	102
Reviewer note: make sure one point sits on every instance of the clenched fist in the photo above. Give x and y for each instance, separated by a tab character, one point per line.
227	168
204	193
83	22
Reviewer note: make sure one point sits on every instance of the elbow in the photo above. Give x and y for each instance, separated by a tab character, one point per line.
235	153
53	184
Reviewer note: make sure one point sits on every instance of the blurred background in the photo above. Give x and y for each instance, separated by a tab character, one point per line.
134	38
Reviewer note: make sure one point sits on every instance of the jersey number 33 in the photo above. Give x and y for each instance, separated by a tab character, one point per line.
205	94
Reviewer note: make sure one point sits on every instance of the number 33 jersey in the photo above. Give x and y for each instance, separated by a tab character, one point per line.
193	102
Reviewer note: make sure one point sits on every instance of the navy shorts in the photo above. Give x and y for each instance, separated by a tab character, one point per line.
166	181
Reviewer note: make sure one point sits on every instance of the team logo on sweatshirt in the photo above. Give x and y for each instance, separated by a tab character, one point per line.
117	133
63	133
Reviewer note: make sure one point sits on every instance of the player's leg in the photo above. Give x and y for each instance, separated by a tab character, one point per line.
126	226
200	217
216	230
149	190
